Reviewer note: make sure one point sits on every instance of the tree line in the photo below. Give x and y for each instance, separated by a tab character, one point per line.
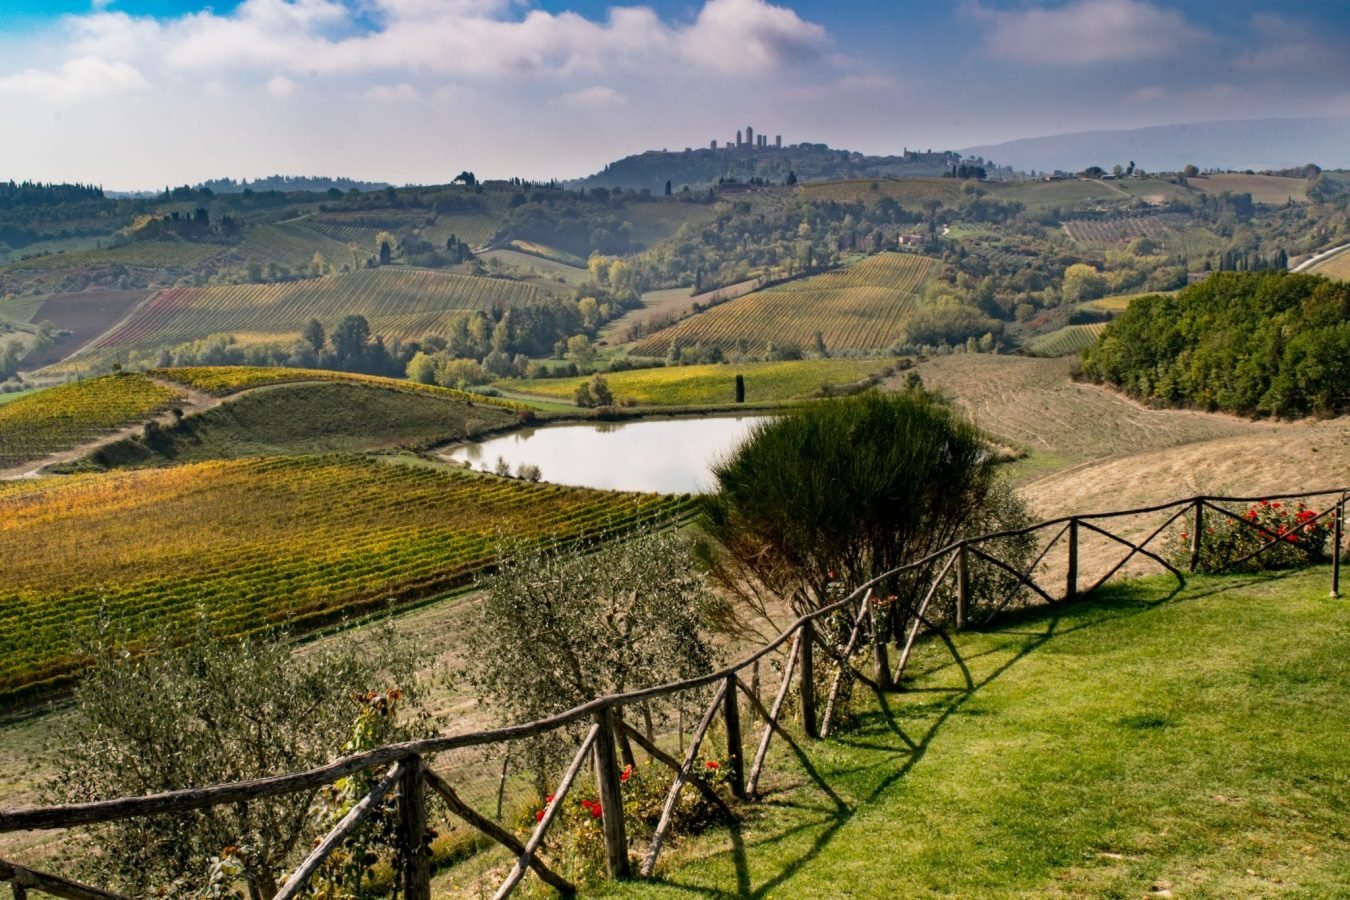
1257	343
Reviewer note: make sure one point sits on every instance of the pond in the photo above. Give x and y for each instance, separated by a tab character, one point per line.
672	456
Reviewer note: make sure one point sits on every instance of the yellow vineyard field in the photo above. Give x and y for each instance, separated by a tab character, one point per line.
71	414
862	307
256	543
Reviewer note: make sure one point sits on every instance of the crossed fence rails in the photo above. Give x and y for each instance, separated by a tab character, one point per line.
405	767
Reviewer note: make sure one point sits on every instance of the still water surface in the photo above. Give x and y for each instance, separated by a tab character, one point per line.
673	456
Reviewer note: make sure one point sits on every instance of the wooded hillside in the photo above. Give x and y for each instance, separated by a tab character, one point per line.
1265	343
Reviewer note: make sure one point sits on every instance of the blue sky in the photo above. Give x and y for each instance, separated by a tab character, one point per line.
139	93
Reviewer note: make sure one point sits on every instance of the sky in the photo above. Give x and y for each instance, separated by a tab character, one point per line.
137	94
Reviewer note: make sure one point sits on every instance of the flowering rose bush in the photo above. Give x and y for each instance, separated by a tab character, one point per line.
1301	537
577	836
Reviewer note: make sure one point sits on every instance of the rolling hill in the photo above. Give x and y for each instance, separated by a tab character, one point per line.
399	303
859	308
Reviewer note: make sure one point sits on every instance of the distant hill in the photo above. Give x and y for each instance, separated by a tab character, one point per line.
810	162
1240	144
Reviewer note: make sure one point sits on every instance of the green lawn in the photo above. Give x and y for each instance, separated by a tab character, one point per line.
1142	742
712	384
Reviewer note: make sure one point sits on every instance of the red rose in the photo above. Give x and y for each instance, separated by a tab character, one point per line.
712	764
539	816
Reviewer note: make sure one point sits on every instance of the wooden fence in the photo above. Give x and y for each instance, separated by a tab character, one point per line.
405	769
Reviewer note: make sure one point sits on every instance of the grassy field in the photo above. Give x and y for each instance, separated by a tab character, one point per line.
292	245
19	309
859	308
1066	340
399	304
906	191
712	384
1141	742
63	417
1337	266
532	266
255	543
140	254
1034	404
327	417
1275	190
1038	196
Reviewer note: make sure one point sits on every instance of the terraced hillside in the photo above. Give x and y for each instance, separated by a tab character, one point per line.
862	307
399	303
256	543
69	415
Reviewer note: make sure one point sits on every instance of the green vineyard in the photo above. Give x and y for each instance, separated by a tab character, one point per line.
71	414
256	543
1066	340
862	307
225	380
399	304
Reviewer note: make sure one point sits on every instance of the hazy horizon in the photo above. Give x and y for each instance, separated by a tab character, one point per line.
136	94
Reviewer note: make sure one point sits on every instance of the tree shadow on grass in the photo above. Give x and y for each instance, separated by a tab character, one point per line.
1039	625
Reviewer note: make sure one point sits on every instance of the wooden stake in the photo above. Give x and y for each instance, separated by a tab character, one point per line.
1071	587
962	587
611	799
807	678
412	812
735	751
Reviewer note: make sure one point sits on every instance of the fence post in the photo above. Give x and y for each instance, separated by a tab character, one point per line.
962	586
884	682
1071	588
611	798
1197	529
807	674
1336	548
735	751
412	809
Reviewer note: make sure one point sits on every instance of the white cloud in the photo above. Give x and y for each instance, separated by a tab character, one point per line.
1086	31
453	38
749	35
595	97
392	93
281	86
82	78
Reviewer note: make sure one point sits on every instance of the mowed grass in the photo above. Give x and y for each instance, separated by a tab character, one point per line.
1139	742
69	415
322	417
1337	266
714	384
256	543
398	303
1275	190
862	307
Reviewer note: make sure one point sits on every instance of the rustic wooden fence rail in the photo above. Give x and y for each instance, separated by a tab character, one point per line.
407	772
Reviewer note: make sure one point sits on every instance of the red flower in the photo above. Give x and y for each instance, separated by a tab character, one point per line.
548	799
627	773
593	807
833	574
712	764
1275	505
539	816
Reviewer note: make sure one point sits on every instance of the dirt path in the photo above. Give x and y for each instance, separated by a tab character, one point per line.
193	401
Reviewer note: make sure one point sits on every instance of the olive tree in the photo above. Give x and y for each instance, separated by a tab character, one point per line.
205	710
558	627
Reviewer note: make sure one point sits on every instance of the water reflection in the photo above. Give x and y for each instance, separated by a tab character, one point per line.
672	456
